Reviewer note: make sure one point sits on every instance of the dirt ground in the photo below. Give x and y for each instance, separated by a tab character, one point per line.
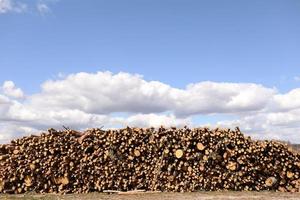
159	196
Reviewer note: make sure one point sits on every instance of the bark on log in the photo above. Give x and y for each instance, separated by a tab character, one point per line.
147	159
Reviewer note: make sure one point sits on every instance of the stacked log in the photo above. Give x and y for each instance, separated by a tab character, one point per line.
148	159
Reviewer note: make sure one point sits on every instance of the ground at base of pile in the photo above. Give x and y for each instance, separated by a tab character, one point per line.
263	195
167	160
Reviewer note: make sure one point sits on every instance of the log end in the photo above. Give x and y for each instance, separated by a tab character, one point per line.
200	146
137	153
270	181
28	181
231	166
178	153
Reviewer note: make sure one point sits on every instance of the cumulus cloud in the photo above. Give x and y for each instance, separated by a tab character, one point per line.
104	93
12	6
85	100
5	104
211	97
10	90
288	101
269	125
153	120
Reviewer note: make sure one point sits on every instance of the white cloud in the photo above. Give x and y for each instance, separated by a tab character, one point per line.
17	6
211	97
153	120
104	92
269	125
11	131
5	104
5	6
42	8
12	6
85	100
10	90
288	101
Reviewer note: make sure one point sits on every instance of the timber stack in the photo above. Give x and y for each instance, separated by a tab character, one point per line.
173	159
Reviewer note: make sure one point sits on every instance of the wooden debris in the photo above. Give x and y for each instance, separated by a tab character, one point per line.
132	192
122	192
135	160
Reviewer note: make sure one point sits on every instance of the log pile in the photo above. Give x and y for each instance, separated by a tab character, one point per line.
146	159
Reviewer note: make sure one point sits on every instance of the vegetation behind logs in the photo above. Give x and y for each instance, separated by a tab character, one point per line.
150	159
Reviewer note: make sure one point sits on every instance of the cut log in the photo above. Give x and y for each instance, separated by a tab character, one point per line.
178	153
62	180
201	167
28	181
1	185
200	146
289	174
16	152
32	166
231	166
270	181
171	160
137	153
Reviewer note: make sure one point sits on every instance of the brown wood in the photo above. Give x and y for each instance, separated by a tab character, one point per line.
131	159
28	181
270	181
231	166
179	153
200	146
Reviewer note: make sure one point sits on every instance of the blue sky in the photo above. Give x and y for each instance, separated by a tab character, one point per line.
173	42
